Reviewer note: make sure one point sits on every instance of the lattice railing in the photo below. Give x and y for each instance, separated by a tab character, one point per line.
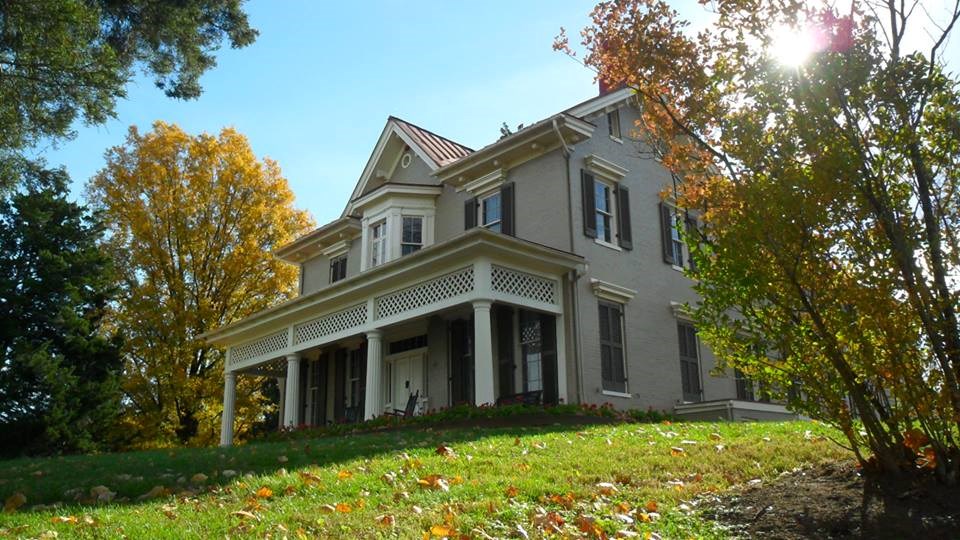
265	345
524	285
333	323
426	293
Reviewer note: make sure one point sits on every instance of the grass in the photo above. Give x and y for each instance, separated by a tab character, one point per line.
576	481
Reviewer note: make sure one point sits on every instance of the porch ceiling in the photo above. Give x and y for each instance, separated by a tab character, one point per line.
477	264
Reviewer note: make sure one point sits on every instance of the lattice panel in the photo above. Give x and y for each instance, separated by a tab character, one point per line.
426	293
524	285
333	323
260	347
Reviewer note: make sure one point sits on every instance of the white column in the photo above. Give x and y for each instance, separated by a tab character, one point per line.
561	360
291	402
372	405
483	369
229	401
282	385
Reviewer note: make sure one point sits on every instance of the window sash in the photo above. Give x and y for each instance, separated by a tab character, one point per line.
613	122
603	199
491	212
412	235
378	243
338	268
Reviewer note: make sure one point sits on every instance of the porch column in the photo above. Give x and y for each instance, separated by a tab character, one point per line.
291	401
483	353
372	404
561	360
229	397
281	403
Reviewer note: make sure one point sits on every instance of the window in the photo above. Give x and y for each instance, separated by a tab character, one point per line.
531	345
603	203
378	243
672	221
355	375
744	386
613	122
689	361
612	361
338	268
412	238
677	243
490	212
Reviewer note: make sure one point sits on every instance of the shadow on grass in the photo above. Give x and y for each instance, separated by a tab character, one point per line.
67	481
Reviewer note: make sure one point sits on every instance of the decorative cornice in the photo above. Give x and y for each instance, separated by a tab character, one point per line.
604	168
681	311
337	249
609	291
486	182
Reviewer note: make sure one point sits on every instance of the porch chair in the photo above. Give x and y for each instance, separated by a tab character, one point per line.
410	408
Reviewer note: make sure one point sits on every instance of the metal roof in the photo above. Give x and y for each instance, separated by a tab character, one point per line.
441	150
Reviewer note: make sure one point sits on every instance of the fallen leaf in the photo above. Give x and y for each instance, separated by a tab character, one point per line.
512	492
442	531
309	478
14	501
433	481
264	493
328	508
344	508
102	494
715	437
914	439
676	451
606	488
550	522
71	520
386	520
651	506
155	491
283	459
243	514
443	450
344	474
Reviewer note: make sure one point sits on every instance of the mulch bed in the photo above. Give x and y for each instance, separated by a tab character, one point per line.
836	501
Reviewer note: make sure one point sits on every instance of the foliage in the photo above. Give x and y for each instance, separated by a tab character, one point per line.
58	371
66	59
828	194
193	221
566	482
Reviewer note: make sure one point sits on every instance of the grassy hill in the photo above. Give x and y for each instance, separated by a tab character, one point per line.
593	481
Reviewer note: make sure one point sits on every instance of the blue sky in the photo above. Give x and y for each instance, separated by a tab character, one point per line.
316	88
314	91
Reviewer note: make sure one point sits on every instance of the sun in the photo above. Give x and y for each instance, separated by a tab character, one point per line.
792	46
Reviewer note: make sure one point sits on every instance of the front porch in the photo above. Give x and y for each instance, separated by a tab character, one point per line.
470	320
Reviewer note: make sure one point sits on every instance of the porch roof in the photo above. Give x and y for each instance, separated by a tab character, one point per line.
477	243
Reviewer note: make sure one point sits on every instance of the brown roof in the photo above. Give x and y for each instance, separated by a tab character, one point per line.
441	150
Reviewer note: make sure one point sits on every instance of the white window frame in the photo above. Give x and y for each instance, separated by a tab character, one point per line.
615	134
419	245
680	252
378	243
481	201
610	212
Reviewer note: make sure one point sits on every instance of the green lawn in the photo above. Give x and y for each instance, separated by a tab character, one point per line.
483	483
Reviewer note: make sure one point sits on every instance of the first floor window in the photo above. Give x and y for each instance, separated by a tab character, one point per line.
612	360
378	243
490	212
338	268
603	204
355	381
689	361
412	237
744	386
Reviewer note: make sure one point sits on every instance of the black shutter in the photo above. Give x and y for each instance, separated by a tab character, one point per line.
470	214
339	383
507	213
589	204
692	232
666	226
623	217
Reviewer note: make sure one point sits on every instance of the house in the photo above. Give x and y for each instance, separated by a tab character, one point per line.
543	266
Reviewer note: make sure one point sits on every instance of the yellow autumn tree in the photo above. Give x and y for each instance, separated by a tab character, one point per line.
192	224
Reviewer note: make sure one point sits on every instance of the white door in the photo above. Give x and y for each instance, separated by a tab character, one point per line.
407	378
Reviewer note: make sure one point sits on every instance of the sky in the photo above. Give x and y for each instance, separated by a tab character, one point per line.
314	91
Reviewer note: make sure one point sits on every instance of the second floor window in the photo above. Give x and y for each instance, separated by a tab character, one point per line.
490	214
672	221
338	268
378	243
603	203
412	238
613	121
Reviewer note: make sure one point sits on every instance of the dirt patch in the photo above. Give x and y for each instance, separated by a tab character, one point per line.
835	501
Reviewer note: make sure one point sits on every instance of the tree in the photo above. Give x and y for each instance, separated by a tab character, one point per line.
193	220
66	59
828	194
59	369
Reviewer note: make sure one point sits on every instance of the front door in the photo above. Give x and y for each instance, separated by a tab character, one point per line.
406	372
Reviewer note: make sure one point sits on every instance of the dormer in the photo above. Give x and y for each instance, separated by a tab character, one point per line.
395	197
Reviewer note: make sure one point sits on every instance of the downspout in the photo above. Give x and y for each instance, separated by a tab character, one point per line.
574	275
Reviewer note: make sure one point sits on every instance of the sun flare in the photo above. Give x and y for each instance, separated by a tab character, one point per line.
792	46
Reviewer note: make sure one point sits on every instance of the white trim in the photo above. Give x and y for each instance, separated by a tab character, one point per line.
600	103
485	183
605	169
681	312
389	190
735	404
611	292
617	140
617	394
335	250
608	245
